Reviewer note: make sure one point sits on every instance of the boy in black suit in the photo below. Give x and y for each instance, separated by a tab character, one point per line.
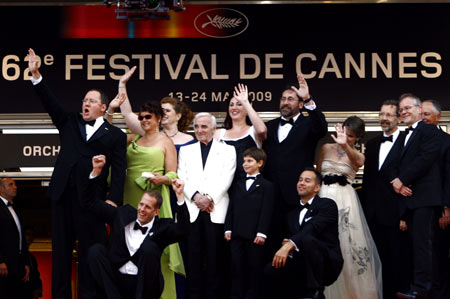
246	225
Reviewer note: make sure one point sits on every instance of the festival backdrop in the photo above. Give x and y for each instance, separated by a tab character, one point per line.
353	56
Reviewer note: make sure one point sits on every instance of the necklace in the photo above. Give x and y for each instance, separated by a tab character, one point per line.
339	152
170	136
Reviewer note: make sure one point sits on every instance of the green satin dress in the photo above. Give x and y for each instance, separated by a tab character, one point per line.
151	159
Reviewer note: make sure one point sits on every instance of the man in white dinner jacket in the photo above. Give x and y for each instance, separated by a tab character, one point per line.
207	168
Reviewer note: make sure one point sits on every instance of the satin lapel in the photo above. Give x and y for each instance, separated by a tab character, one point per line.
7	212
102	131
197	159
274	130
414	133
254	186
377	152
82	127
213	156
294	127
395	147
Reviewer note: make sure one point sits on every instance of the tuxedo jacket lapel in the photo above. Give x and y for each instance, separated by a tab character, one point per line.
254	186
391	155
82	127
411	138
102	131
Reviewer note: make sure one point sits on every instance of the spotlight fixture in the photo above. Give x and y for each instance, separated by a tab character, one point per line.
145	9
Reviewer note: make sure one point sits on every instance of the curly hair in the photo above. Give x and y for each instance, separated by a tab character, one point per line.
180	107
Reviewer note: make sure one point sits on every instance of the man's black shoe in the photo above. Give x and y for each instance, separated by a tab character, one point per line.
410	295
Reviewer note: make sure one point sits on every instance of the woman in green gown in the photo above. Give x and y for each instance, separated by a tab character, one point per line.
154	153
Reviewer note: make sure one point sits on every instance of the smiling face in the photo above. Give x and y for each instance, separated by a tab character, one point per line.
409	112
388	118
251	166
147	209
92	107
351	137
236	110
290	104
429	114
149	122
203	129
170	116
307	187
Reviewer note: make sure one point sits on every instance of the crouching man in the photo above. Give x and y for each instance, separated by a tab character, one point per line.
130	266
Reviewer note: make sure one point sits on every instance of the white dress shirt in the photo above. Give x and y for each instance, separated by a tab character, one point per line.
134	239
90	130
386	147
301	218
16	219
283	131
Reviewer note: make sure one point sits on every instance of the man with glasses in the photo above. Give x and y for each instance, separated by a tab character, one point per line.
419	183
380	202
290	146
81	136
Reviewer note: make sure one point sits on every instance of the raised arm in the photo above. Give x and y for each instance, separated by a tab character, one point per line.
51	104
241	94
356	158
91	197
125	107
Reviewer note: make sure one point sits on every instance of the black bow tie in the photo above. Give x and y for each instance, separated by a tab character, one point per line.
251	178
89	122
305	206
283	121
142	228
409	129
8	204
384	138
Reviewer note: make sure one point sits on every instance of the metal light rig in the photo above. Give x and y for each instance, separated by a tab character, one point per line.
145	9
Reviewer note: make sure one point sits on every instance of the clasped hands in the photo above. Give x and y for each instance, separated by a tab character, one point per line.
203	202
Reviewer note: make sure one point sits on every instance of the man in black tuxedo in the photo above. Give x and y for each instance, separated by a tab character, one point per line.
419	183
291	141
81	137
380	202
310	258
290	146
432	115
131	266
13	249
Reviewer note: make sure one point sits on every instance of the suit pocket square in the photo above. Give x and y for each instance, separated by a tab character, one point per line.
307	219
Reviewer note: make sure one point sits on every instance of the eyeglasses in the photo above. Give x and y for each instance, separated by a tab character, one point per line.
147	116
406	108
289	99
90	101
388	115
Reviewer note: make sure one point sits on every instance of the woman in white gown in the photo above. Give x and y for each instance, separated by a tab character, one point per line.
338	162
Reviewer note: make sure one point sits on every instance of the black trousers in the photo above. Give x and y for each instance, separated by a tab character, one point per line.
247	266
148	284
308	270
422	224
70	223
395	255
205	258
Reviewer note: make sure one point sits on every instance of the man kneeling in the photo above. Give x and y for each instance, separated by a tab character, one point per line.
311	257
130	267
